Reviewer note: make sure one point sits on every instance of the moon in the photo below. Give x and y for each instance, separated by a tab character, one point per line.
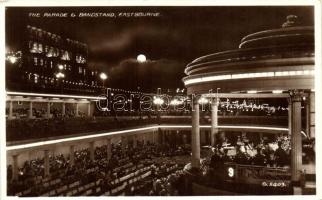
141	58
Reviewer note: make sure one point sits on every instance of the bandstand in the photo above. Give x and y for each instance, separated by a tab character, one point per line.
276	63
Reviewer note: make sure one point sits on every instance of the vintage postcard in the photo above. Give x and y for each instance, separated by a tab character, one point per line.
160	99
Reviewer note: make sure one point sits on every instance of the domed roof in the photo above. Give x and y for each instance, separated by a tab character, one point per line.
289	34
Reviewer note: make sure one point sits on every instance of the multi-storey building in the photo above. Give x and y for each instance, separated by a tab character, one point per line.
51	63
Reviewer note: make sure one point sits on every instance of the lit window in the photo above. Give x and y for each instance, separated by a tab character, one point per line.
40	49
34	47
56	52
65	55
41	62
35	61
80	59
50	52
80	70
39	33
30	44
36	77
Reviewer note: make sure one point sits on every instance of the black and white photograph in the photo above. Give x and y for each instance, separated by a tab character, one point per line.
214	100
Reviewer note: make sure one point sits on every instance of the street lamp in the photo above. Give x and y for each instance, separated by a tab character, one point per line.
61	67
158	102
12	59
103	77
60	76
203	100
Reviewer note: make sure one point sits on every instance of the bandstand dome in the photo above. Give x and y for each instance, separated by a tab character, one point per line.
276	59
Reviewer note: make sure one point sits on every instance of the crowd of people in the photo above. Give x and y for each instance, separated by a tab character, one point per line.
243	151
18	130
163	172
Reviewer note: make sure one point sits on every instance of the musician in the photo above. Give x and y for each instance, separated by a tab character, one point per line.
280	156
241	157
259	158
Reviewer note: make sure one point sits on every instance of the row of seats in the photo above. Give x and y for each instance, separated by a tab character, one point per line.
93	178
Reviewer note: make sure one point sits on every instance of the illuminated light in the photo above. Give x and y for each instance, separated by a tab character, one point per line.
12	59
251	92
189	81
60	67
277	91
158	101
252	75
55	95
141	58
60	75
175	102
103	76
203	100
214	78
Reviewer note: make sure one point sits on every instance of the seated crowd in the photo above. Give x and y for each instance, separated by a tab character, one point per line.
145	170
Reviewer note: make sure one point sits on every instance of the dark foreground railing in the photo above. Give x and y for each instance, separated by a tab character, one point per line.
245	179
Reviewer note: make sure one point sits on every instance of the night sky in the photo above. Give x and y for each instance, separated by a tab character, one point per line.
170	41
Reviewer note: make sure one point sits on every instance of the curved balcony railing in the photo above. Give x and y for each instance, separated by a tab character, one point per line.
26	129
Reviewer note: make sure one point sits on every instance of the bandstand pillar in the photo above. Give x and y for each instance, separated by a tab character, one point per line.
195	136
296	138
30	110
135	141
289	117
144	139
91	151
159	136
214	120
76	110
10	110
72	154
109	148
312	115
124	143
15	167
89	109
63	109
163	133
48	109
153	137
46	162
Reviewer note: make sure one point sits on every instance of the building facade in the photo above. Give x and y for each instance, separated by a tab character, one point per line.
50	63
